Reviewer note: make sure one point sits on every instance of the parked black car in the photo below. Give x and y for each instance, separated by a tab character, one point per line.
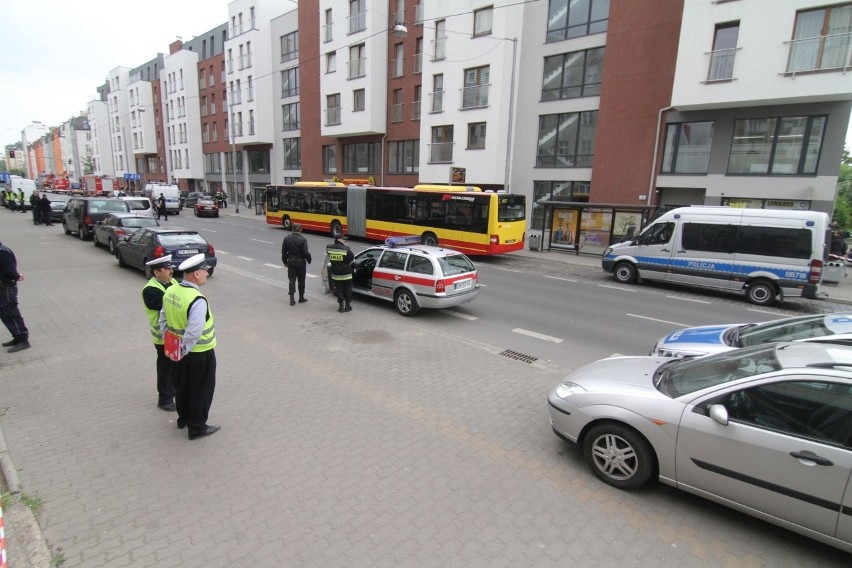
81	213
154	242
57	211
117	227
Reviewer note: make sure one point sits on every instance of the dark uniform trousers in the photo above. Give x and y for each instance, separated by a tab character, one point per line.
165	376
9	312
297	272
196	381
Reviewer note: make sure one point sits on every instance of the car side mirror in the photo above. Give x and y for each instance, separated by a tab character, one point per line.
719	413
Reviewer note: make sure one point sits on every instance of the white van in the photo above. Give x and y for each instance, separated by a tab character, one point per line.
170	192
763	253
17	184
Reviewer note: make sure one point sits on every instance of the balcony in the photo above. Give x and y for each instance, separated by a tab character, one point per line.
475	96
441	152
357	68
357	22
332	116
437	102
830	52
721	65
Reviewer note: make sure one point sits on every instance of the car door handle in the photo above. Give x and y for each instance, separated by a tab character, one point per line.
665	250
810	456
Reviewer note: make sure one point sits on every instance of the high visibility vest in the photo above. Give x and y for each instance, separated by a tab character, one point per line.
176	303
154	315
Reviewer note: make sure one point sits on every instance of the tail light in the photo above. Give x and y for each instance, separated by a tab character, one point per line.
120	232
440	287
210	251
158	252
816	271
495	239
87	220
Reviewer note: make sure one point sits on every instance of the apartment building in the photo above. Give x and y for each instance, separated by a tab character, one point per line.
287	150
145	134
102	162
212	92
29	135
179	90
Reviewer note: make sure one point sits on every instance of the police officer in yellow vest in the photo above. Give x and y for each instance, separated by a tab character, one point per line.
152	298
187	314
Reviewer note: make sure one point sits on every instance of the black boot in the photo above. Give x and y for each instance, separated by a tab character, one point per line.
348	307
302	299
292	301
340	306
14	341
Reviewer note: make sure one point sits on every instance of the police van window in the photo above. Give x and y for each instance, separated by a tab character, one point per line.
709	238
657	234
774	241
393	260
419	264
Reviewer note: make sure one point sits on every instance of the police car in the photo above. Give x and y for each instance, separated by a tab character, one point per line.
412	275
709	339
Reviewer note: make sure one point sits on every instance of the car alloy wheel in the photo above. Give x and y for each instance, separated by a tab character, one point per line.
619	456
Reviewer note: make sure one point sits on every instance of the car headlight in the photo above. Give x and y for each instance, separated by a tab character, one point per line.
566	389
607	251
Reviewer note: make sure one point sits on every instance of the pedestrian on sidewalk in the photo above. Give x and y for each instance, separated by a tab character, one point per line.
161	208
152	299
22	201
341	258
186	313
10	314
248	200
296	257
36	207
44	206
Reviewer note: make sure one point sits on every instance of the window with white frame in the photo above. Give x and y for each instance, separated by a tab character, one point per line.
822	39
482	21
290	46
332	109
441	148
396	105
568	19
331	62
357	61
397	61
476	136
359	100
476	84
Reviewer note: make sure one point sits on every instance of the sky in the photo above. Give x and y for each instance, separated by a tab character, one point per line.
55	53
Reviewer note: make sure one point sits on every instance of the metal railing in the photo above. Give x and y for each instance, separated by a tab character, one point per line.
439	45
832	51
437	101
357	68
475	96
441	152
396	67
332	116
396	112
415	110
722	64
357	22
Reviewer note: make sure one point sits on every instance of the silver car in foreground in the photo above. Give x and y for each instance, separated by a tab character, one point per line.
708	339
766	430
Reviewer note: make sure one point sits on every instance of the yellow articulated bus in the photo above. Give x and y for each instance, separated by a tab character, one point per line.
463	218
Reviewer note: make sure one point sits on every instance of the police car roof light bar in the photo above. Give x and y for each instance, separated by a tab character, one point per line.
403	241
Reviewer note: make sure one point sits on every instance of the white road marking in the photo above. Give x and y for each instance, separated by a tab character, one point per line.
273	266
659	320
558	278
220	251
507	269
311	275
537	335
209	230
761	311
460	315
688	299
264	242
621	288
245	258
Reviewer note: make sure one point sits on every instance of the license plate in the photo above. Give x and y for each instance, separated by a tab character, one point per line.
464	284
511	241
189	251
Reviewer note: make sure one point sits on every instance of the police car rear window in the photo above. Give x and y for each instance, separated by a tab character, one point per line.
456	264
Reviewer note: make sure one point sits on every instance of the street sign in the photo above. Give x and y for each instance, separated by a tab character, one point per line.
133	177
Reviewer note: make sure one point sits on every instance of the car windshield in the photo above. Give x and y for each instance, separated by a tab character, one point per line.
178	239
139	204
103	206
680	377
455	264
796	328
139	222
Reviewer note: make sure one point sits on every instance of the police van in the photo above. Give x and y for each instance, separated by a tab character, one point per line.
765	254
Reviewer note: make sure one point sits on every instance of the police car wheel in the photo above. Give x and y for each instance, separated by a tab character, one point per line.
406	303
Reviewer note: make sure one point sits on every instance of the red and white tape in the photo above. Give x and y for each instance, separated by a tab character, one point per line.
2	539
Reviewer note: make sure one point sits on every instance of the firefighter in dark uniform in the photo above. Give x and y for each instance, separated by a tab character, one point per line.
340	256
187	314
296	257
9	312
152	298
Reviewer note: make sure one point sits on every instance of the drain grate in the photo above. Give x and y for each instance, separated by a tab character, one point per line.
509	354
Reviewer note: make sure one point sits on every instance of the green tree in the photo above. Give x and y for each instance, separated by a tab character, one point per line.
88	165
843	203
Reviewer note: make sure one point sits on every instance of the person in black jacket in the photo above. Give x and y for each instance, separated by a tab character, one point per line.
34	204
10	314
838	243
296	257
341	258
44	207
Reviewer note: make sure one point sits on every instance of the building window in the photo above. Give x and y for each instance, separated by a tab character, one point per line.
572	75
822	39
566	140
359	100
361	158
476	136
404	157
357	61
327	27
568	191
290	82
441	148
415	103
724	51
687	149
777	146
397	61
357	16
396	105
439	44
575	18
291	116
482	21
418	55
292	154
331	62
476	84
437	93
332	110
329	159
258	161
290	46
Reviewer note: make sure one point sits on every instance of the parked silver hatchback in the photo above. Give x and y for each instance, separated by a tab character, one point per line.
765	429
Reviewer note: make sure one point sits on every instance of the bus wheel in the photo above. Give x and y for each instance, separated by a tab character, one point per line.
761	293
336	229
285	222
429	239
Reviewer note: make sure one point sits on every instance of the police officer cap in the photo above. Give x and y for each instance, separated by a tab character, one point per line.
162	262
195	262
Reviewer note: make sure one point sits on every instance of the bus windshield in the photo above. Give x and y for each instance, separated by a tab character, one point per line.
511	208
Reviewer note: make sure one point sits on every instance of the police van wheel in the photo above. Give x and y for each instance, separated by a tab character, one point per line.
406	303
761	293
429	239
625	273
